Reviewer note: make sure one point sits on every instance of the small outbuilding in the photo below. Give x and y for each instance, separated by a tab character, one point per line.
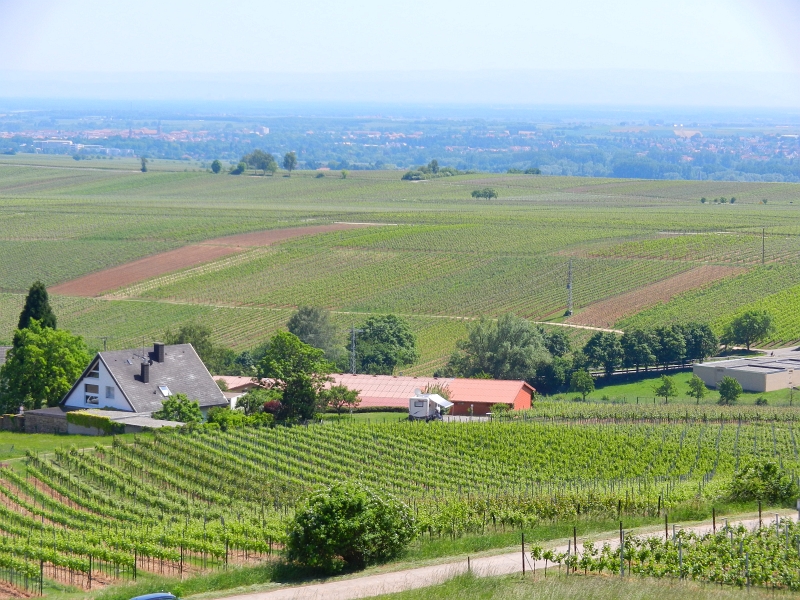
427	406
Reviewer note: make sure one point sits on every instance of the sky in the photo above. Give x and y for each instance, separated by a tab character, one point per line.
715	52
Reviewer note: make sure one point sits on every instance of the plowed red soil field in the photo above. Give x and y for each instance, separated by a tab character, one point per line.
607	312
100	282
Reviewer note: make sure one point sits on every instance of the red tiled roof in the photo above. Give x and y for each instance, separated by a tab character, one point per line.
390	391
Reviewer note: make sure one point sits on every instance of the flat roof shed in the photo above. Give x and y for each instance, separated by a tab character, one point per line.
765	374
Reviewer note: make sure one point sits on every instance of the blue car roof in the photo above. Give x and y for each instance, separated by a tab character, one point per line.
154	596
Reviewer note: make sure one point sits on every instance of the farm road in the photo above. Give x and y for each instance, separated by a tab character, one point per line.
501	564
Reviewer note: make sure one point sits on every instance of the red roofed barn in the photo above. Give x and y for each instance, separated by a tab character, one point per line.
476	394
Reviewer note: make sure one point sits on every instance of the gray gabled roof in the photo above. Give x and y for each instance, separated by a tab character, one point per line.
3	353
182	372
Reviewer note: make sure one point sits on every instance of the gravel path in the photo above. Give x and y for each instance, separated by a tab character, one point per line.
501	564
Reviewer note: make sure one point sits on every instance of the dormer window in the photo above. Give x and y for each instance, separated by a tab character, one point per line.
94	372
164	391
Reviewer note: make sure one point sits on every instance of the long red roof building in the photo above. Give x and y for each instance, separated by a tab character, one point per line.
388	391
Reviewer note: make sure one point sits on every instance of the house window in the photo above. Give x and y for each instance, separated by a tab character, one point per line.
109	392
92	395
94	372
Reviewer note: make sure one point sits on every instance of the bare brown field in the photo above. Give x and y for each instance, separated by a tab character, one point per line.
100	282
607	312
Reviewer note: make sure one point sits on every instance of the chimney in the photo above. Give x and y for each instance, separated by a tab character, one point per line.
158	352
145	372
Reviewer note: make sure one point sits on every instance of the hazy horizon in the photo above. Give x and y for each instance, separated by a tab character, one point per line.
716	53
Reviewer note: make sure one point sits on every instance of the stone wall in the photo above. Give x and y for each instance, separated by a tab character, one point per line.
45	423
12	423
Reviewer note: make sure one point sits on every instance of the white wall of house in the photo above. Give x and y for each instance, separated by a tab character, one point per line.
98	392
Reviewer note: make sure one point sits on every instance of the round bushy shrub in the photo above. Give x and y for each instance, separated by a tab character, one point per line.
348	526
762	480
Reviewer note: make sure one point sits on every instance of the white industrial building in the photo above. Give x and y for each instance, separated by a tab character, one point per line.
754	374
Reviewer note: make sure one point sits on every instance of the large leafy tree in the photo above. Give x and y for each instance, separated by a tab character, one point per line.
261	161
385	342
313	326
637	345
509	348
41	367
179	407
729	391
340	397
348	526
604	350
37	306
670	345
196	334
701	342
299	372
749	327
581	382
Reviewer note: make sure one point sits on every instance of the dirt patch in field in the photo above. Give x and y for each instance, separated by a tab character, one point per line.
607	312
100	282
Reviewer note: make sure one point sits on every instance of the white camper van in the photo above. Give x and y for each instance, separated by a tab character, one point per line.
426	406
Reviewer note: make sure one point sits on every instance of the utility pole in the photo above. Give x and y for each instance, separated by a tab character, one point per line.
569	289
353	332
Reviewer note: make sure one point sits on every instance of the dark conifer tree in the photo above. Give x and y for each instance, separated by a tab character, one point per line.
37	306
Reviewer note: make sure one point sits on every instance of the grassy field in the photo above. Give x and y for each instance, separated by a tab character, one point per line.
437	255
639	389
579	587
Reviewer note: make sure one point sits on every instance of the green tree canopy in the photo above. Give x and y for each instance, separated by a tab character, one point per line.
604	350
557	341
697	388
486	193
670	346
300	372
196	334
509	348
340	397
253	401
729	390
313	326
37	306
348	526
261	161
762	479
290	161
637	345
216	166
665	388
385	342
179	407
582	382
41	367
701	342
749	327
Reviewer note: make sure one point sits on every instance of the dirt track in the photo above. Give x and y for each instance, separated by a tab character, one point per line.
100	282
607	312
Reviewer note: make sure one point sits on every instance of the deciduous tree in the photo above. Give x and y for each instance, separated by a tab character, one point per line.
749	327
339	397
300	372
697	388
729	391
509	348
41	367
604	350
179	407
582	382
385	342
665	388
290	161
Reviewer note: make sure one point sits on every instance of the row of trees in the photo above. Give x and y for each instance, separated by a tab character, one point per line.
259	161
513	348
